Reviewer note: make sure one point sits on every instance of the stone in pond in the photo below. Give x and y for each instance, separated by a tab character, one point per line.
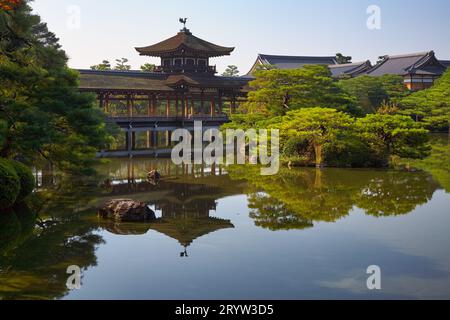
127	210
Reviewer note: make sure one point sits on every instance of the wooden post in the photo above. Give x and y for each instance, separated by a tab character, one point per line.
213	108
167	138
148	139
107	103
177	106
202	101
100	100
149	107
130	111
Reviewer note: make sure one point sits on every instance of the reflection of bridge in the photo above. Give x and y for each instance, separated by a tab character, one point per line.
152	135
184	198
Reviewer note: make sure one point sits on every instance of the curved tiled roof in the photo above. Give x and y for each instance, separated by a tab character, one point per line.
186	41
350	69
294	62
418	63
147	81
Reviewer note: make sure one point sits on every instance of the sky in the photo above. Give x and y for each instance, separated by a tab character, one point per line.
91	31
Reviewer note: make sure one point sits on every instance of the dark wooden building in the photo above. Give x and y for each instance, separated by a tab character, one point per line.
184	88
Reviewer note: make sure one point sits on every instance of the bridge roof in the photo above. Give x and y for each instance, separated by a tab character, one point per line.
147	81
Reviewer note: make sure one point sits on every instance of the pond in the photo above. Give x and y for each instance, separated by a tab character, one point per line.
229	233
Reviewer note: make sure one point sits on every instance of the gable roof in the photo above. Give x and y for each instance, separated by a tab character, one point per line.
424	63
350	69
186	41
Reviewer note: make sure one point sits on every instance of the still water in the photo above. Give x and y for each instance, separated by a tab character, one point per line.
229	233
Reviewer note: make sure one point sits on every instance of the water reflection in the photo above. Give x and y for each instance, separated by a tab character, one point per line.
294	199
34	256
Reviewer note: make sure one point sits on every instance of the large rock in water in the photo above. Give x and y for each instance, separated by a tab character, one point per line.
126	210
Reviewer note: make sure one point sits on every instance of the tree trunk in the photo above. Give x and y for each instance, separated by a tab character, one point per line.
318	179
318	152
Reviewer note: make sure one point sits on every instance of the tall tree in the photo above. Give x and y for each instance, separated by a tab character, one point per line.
42	112
231	71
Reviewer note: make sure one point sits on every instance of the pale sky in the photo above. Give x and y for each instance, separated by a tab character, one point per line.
110	29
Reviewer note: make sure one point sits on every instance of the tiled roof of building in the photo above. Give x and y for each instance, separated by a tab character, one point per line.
146	81
294	62
418	63
350	69
186	41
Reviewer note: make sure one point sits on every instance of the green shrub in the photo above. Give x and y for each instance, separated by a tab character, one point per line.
27	181
9	184
347	152
9	231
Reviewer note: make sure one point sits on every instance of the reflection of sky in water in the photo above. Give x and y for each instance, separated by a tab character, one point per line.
327	261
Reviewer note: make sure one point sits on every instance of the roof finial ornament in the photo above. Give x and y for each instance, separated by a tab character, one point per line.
183	21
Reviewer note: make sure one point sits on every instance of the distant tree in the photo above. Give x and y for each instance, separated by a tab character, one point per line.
275	92
148	67
231	71
372	92
431	106
104	66
121	65
341	59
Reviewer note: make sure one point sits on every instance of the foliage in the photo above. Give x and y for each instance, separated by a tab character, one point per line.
438	163
372	92
148	67
275	92
389	135
42	112
121	64
431	106
104	66
341	59
299	198
9	184
231	71
315	127
26	178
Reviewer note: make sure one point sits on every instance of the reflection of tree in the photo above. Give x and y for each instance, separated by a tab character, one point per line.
272	214
298	198
395	193
36	269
